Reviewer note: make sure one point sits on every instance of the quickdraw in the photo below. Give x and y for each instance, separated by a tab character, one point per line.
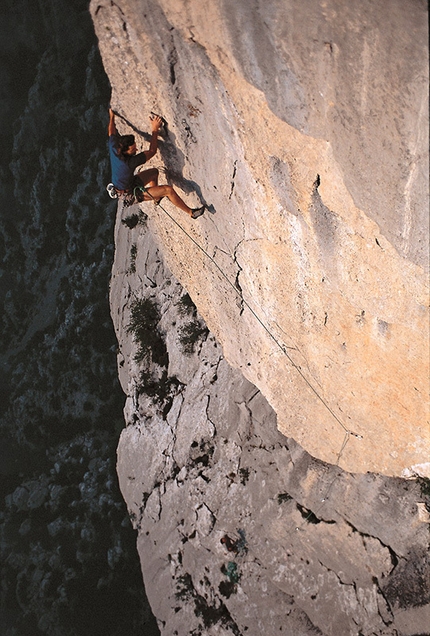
129	197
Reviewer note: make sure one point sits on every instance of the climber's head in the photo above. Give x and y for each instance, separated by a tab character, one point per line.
127	145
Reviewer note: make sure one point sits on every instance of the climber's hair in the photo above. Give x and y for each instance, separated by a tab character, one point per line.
125	142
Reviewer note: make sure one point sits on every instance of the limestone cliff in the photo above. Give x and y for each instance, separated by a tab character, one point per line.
251	421
303	125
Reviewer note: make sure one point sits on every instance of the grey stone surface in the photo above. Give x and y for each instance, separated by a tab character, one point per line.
240	531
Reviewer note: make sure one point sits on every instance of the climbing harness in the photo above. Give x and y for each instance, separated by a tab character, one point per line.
129	197
139	193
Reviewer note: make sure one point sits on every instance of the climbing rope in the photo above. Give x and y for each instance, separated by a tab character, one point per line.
282	347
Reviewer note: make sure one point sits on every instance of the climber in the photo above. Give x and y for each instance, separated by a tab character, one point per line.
124	161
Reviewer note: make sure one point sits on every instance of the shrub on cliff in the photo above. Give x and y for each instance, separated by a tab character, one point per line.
143	325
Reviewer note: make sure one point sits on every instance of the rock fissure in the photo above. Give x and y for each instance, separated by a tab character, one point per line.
237	285
172	60
233	180
394	558
384	609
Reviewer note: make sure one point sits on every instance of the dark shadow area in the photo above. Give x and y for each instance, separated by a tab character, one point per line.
68	550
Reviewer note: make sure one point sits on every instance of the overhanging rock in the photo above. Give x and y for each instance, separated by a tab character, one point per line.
304	126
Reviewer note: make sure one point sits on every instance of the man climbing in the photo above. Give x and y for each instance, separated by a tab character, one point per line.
124	161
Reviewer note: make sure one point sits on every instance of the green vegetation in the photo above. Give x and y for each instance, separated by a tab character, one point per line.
162	389
184	587
229	587
151	350
244	475
231	571
143	325
133	254
135	219
424	484
190	334
186	307
193	331
209	614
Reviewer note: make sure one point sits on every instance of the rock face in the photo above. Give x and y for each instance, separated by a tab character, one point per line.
240	531
303	125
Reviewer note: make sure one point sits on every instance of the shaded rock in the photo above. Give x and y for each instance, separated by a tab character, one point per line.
25	527
20	497
409	584
311	548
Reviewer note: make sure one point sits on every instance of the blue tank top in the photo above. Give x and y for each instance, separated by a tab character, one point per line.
123	167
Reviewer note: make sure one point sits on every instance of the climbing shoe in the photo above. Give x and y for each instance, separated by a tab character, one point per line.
196	212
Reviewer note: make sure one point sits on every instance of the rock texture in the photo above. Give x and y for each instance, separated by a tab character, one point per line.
240	531
303	125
